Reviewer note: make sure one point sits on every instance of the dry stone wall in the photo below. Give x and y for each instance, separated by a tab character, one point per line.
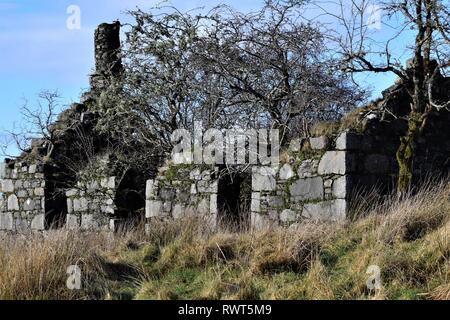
322	187
108	61
183	191
23	206
22	201
318	180
309	185
91	205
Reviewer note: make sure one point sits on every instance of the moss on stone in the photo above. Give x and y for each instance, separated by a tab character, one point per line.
405	152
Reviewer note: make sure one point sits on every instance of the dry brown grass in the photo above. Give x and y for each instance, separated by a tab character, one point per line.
34	267
407	238
353	120
324	129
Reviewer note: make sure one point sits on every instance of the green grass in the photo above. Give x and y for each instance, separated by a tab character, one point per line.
409	240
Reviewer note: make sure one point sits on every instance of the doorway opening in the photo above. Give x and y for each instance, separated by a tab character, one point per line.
234	200
55	201
130	201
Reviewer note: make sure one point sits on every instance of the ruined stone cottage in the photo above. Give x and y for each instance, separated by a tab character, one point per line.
317	179
70	183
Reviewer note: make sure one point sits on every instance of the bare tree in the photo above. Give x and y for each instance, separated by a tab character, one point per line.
37	122
274	67
427	23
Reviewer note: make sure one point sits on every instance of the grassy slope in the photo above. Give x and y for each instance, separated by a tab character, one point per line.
409	240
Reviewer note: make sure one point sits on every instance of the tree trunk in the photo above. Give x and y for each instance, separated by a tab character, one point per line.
405	155
406	152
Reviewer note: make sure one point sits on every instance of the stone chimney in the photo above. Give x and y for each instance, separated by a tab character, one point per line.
108	62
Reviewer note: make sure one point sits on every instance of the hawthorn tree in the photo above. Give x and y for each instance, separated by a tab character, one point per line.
273	66
263	69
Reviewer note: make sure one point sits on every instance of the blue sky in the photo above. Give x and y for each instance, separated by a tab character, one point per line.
38	51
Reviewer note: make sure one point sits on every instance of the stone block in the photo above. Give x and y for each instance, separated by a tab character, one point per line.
80	205
339	189
29	205
167	207
319	143
21	226
18	184
89	223
104	182
213	205
7	186
150	189
206	175
334	210
336	162
308	169
183	196
113	225
22	194
4	170
84	204
263	179
153	209
111	182
256	202
39	192
288	216
205	186
6	221
39	176
13	203
107	209
203	207
71	193
72	222
195	174
167	194
348	141
307	189
190	211
295	145
93	186
32	169
38	223
286	172
275	201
